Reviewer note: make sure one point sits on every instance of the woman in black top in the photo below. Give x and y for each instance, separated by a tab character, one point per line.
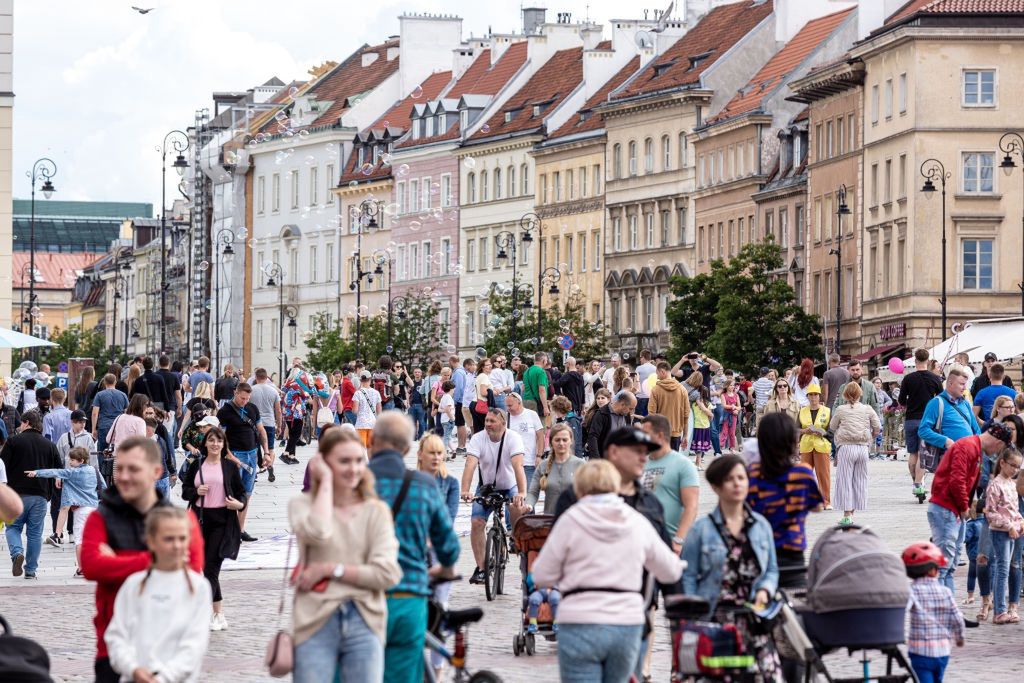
85	390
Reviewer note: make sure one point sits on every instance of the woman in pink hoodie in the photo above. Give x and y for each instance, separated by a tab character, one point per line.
596	556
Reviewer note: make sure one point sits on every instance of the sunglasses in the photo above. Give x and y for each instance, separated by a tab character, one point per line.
782	386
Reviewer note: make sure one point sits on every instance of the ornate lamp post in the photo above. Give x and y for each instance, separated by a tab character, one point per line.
366	219
177	141
1012	143
932	170
42	170
275	278
841	210
381	257
222	251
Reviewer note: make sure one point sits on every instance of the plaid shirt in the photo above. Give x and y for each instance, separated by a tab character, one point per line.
423	518
935	621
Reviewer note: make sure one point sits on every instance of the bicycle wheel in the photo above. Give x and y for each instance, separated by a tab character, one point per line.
484	677
490	565
497	570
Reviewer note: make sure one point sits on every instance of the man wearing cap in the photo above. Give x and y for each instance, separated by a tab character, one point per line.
955	479
984	378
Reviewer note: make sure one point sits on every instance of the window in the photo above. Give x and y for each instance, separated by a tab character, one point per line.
543	188
570	253
977	174
979	87
275	200
711	168
583	181
977	267
829	218
414	261
819	151
888	98
888	180
617	233
556	185
570	184
874	185
721	240
471	187
702	179
818	219
616	161
312	263
666	220
666	153
597	179
400	191
783	228
731	237
446	256
648	313
329	196
261	259
524	179
471	255
446	190
428	254
595	239
329	255
682	150
874	104
314	186
798	214
511	180
261	186
425	187
295	189
648	155
273	333
851	129
583	252
634	232
829	149
632	158
902	180
497	183
483	253
903	93
649	225
700	243
632	313
259	334
681	217
798	149
484	190
769	223
721	165
414	196
840	138
557	251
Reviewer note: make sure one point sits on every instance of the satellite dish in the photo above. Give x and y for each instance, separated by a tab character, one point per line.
644	40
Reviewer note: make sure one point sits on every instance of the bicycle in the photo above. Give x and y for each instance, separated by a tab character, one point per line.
442	622
495	544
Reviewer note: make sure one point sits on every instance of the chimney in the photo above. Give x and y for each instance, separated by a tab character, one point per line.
533	17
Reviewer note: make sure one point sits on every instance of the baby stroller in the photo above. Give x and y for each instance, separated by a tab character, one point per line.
529	533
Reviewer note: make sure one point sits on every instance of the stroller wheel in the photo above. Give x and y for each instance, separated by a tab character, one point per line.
531	644
516	648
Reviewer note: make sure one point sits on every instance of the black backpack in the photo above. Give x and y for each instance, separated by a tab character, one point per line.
21	659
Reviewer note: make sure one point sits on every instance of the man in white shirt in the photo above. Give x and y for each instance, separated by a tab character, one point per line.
498	452
643	371
610	372
528	425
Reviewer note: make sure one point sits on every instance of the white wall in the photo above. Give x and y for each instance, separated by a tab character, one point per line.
426	46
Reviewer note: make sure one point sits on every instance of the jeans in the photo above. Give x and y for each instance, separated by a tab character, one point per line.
588	653
33	517
716	428
1002	545
928	669
343	649
538	597
447	428
419	417
529	470
388	405
164	487
271	433
1015	571
248	471
349	416
641	406
948	534
499	402
407	628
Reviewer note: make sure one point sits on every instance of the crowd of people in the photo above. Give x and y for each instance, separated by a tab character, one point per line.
613	452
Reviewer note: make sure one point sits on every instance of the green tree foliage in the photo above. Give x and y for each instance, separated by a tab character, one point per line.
74	342
743	313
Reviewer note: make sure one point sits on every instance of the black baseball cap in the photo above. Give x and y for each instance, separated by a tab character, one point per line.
631	436
77	416
990	356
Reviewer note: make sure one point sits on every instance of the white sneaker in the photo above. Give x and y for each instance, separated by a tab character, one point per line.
215	624
222	621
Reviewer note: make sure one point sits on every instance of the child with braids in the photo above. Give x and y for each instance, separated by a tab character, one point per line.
161	624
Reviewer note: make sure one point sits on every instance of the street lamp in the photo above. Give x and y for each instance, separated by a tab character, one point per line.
179	142
401	303
380	257
275	278
290	312
1012	143
365	216
222	250
120	288
43	169
135	326
932	170
841	210
508	247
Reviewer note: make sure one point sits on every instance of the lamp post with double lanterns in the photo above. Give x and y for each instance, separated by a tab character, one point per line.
550	277
1012	143
120	289
508	248
179	142
275	278
365	216
933	171
223	252
381	257
841	210
42	170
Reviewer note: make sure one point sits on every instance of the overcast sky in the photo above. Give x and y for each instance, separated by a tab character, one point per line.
97	85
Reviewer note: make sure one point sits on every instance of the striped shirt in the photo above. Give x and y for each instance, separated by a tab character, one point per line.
935	621
785	501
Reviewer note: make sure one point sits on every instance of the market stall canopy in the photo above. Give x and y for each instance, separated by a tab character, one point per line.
10	339
1002	336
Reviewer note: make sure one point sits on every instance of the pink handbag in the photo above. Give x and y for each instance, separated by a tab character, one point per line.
280	656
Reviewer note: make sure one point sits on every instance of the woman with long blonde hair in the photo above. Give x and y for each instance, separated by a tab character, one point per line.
554	474
349	556
134	372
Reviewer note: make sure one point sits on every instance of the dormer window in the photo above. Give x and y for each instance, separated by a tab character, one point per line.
464	119
442	124
660	69
584	115
537	109
376	154
362	156
697	60
416	128
430	126
508	117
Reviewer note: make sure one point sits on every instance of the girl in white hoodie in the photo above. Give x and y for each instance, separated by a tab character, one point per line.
596	555
161	623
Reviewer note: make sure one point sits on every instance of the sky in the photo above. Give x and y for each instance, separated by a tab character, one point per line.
98	85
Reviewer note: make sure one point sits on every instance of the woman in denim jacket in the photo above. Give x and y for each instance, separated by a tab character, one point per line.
730	557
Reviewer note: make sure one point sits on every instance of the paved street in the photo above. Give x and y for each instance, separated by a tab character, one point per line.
57	609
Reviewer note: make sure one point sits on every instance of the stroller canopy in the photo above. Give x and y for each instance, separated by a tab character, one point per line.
851	568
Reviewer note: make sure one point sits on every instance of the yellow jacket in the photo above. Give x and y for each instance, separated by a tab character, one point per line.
813	442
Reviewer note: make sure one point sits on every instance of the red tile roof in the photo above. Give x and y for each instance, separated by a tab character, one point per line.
53	271
712	37
957	7
549	86
771	75
586	120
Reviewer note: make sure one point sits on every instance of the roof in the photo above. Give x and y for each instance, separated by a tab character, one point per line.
53	271
586	121
690	56
956	7
400	115
547	88
766	81
56	207
55	234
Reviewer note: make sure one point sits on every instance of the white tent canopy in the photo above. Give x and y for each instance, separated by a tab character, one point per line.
11	339
1002	336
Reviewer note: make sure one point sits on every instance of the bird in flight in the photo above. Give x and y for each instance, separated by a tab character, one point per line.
143	10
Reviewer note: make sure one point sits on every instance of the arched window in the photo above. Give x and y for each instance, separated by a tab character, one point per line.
483	186
632	158
616	161
524	178
511	180
666	153
471	187
648	155
497	183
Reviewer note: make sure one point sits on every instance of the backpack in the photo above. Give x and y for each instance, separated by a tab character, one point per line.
22	659
382	383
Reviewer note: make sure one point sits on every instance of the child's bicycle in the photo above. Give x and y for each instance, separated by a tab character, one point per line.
441	623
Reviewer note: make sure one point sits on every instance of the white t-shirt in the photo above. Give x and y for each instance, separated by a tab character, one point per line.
447	402
3	472
366	400
606	379
526	424
469	391
643	372
501	474
499	381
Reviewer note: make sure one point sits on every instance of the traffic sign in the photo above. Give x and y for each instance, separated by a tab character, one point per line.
566	342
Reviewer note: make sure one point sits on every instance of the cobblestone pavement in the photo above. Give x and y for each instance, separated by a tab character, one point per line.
57	609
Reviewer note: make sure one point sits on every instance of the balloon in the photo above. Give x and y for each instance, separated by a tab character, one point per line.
21	374
42	378
896	366
30	366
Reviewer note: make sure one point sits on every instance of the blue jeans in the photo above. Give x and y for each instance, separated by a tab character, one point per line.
499	402
388	405
271	433
529	470
948	534
349	416
343	649
248	472
419	418
538	597
999	567
641	406
164	487
928	669
716	428
33	516
589	653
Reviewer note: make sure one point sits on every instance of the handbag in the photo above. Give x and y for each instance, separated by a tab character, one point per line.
930	456
480	407
280	655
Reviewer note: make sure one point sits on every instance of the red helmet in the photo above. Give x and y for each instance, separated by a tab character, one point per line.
924	556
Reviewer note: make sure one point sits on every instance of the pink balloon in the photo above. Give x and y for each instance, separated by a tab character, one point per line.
896	365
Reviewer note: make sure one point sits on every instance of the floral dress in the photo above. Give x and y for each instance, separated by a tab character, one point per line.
741	570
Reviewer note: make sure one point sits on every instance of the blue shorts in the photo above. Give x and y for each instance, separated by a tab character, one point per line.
910	436
248	472
478	509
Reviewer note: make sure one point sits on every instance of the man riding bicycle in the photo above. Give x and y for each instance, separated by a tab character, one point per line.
499	454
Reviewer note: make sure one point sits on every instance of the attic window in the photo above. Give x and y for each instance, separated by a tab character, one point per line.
537	109
696	60
660	69
508	117
584	115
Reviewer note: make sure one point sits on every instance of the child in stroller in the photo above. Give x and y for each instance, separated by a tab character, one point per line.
539	606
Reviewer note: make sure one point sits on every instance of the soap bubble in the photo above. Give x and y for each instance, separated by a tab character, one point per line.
481	352
204	265
450	349
469	162
417	92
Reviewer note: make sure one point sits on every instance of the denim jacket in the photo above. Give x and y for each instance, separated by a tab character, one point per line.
705	554
79	485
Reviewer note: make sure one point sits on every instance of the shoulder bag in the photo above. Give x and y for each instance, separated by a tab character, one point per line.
930	456
280	655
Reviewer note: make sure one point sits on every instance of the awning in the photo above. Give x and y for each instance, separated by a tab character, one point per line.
877	351
1002	336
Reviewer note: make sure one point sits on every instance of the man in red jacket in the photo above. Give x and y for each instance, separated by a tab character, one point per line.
954	481
114	544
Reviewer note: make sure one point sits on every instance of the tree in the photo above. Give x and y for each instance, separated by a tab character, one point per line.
743	313
74	342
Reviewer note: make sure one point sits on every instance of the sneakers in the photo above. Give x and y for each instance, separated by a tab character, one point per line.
554	627
532	628
846	521
215	622
478	576
54	540
919	490
247	538
270	477
17	564
29	576
222	620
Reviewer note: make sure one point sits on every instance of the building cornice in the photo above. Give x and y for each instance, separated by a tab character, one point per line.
728	125
502	145
901	35
828	81
642	103
571	208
